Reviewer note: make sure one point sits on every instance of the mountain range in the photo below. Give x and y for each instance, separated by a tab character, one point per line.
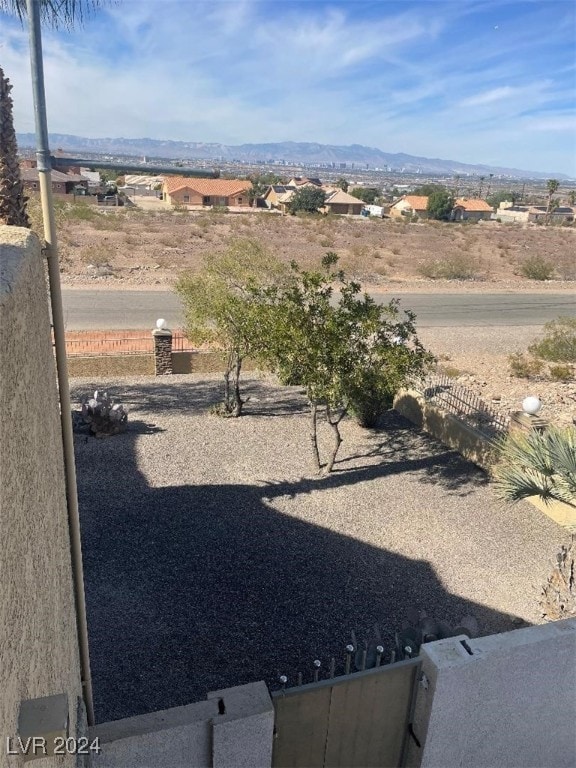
287	152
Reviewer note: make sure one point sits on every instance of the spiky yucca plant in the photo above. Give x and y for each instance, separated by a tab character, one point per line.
539	464
12	198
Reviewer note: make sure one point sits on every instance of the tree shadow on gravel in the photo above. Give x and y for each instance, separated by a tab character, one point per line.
399	447
167	393
194	588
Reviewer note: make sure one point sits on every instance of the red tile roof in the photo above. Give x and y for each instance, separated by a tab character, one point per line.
416	202
473	205
207	187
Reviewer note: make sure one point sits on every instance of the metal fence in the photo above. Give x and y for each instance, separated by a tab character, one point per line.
96	344
88	344
181	344
466	405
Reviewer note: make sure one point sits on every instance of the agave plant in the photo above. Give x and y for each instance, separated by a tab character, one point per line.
539	464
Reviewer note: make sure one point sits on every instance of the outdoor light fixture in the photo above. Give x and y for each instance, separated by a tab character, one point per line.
531	405
160	323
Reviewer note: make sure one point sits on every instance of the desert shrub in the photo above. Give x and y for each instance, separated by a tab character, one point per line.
97	255
559	343
537	268
561	372
455	268
80	212
451	371
370	401
524	367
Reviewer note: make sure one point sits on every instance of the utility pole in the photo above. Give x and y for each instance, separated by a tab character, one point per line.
51	251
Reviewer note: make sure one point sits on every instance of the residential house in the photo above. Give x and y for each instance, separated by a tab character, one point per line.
338	201
508	213
304	181
62	183
274	193
285	199
180	190
410	205
471	210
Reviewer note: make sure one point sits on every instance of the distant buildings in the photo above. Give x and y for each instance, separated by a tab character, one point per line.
180	190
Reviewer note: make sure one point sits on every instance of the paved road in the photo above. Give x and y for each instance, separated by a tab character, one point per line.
86	310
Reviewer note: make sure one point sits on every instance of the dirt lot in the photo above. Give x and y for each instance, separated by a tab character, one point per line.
137	247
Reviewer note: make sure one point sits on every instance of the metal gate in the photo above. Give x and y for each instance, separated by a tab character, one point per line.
355	721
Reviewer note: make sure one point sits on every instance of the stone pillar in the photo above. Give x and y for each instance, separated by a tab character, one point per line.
162	351
526	422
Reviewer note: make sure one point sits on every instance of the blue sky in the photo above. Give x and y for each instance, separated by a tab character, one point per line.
481	82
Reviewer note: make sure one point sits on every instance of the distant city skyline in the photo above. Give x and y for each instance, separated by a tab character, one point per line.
489	82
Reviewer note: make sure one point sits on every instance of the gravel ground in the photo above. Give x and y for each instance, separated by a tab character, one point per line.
214	557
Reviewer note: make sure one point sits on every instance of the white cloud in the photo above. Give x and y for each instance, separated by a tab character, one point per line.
488	97
246	72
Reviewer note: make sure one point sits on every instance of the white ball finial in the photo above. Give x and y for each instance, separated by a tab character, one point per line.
531	405
160	323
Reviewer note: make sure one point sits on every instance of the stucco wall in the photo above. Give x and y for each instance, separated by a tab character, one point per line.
504	700
445	427
38	649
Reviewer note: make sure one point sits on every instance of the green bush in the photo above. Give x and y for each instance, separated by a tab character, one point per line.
370	399
524	367
537	268
455	268
561	372
559	343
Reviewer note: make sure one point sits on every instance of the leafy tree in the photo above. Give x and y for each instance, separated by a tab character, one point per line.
501	197
260	183
425	190
539	464
308	199
350	355
440	205
221	307
342	184
572	197
367	194
107	175
12	198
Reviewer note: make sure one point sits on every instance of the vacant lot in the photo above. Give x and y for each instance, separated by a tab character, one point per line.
213	557
137	247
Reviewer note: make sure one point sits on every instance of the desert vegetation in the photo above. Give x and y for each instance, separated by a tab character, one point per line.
553	356
156	246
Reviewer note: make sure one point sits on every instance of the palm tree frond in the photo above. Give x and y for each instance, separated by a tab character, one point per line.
55	13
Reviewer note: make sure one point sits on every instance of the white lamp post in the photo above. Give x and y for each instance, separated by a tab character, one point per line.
531	405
